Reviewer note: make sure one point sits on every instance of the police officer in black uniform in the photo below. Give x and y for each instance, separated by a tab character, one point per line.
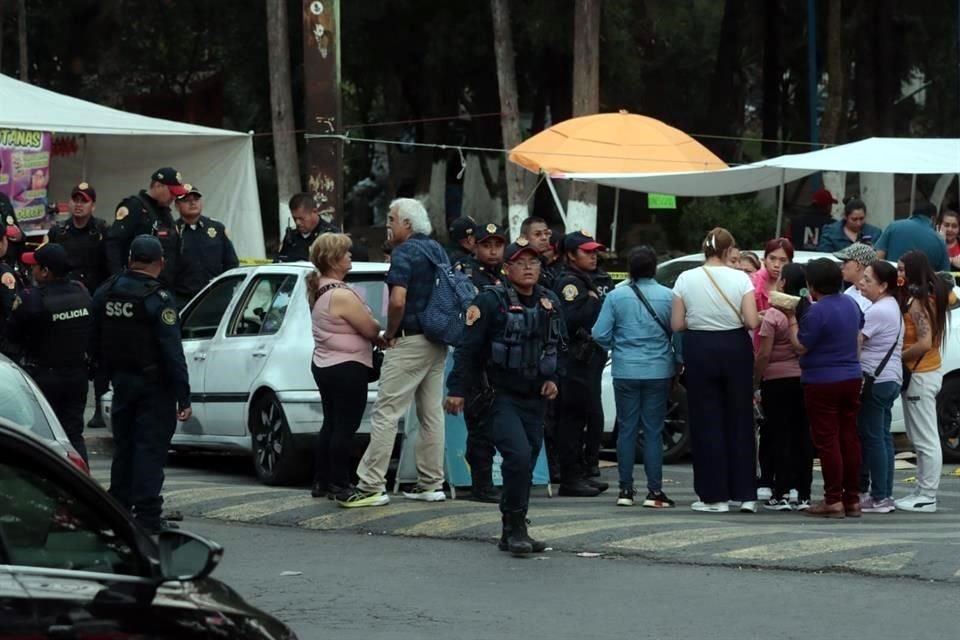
307	226
136	338
581	285
148	213
505	370
83	237
52	327
461	235
205	252
485	271
9	288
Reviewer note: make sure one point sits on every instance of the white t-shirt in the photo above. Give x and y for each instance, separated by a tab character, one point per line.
858	297
706	308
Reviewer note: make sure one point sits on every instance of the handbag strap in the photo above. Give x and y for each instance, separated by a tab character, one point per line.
327	287
886	358
646	303
722	294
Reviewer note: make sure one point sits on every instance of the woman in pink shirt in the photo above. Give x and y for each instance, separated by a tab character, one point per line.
777	372
344	331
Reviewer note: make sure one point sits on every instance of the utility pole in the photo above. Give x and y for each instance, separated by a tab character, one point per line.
321	69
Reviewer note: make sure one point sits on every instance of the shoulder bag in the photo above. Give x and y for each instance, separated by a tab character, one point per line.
377	352
868	379
723	295
647	305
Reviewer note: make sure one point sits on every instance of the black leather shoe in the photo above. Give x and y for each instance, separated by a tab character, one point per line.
599	484
489	495
579	489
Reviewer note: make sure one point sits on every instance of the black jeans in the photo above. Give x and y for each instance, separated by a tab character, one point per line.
579	418
479	454
66	391
144	417
719	380
515	425
343	393
788	437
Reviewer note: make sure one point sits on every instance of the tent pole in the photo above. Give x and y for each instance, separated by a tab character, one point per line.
83	169
616	218
556	200
913	193
783	176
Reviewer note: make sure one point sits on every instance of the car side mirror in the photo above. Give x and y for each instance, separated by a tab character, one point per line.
186	556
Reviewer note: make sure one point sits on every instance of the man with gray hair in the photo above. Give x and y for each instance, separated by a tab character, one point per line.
412	365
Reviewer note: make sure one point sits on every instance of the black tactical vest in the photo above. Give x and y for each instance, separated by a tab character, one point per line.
126	335
528	342
66	314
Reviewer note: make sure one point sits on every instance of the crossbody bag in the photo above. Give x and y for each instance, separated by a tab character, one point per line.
735	310
377	353
868	379
646	303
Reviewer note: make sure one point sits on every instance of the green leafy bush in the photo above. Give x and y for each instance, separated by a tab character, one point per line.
751	222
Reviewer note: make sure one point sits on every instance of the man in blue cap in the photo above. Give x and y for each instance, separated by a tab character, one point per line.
135	338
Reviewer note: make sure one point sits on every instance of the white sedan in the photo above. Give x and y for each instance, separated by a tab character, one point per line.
676	434
248	344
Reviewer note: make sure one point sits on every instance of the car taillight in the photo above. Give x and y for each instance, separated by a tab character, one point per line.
77	460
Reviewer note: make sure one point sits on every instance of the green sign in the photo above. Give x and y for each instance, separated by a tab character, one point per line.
661	201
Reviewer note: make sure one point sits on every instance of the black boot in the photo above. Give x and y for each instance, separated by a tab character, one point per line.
578	488
489	494
600	485
538	546
96	422
513	538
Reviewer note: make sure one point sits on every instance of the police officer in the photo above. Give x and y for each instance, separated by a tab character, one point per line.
485	271
136	338
205	252
307	226
9	287
52	326
461	235
14	234
581	286
83	236
148	213
505	370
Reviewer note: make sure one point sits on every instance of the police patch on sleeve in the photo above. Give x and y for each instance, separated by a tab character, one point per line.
212	232
546	304
473	314
570	292
8	280
169	316
122	213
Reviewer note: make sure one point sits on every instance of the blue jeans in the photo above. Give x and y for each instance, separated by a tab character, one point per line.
876	441
641	403
515	424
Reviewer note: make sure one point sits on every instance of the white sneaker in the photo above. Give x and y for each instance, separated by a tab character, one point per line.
425	495
793	496
918	503
764	494
749	506
710	507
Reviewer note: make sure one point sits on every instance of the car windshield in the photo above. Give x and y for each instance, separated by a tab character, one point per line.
19	403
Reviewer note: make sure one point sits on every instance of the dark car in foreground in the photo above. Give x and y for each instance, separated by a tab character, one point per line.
74	564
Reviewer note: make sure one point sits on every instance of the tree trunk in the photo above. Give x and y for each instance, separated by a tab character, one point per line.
22	39
582	204
281	107
726	104
836	75
772	76
509	111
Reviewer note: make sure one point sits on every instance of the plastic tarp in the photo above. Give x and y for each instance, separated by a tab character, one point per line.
874	155
118	152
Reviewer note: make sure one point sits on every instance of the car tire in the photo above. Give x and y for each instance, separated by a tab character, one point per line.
948	418
676	428
275	458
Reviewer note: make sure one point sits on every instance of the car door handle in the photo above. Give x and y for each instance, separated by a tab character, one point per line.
199	356
259	354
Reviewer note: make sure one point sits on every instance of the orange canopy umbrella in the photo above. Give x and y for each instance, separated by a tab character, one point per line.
613	143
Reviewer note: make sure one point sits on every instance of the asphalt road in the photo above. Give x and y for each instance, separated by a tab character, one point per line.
372	586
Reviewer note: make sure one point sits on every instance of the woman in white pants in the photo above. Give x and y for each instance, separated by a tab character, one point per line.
925	302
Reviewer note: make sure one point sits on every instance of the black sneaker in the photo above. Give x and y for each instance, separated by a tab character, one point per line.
626	496
658	500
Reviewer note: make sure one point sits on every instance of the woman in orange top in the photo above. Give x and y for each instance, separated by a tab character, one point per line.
924	305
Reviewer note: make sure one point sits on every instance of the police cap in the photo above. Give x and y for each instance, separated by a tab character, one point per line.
51	256
171	178
484	231
581	240
8	231
190	190
518	248
146	249
85	191
462	228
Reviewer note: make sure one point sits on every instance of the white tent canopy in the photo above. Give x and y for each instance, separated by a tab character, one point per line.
119	151
917	156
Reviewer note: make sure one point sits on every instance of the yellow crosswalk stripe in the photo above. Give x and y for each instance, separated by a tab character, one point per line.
185	497
559	530
802	548
448	525
250	511
347	518
889	562
674	539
